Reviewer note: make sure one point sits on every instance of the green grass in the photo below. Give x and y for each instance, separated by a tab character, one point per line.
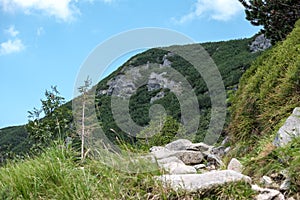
267	94
57	174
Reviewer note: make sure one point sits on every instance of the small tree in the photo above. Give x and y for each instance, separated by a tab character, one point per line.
54	123
84	92
276	16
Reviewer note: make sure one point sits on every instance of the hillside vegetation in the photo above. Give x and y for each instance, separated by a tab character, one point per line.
232	58
268	92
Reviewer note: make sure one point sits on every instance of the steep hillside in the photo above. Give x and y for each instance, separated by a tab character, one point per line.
267	94
268	91
232	58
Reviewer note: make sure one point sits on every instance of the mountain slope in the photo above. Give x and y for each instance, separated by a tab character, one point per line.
232	58
267	94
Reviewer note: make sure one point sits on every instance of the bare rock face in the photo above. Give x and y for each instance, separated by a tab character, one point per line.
260	43
289	130
198	182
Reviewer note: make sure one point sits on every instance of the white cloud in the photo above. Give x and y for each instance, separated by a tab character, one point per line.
11	46
64	10
222	10
12	31
40	31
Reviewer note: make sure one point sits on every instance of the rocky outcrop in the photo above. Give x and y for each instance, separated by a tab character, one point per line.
260	43
190	154
197	166
289	130
196	182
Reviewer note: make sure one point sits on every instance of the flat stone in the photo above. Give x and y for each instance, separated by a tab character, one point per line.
162	153
169	160
267	194
179	168
196	182
178	145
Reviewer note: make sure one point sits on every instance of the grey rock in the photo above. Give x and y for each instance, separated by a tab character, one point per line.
156	148
219	151
197	182
169	160
285	185
162	153
260	43
225	141
266	181
226	150
178	145
289	130
179	168
235	165
189	157
199	147
267	194
214	160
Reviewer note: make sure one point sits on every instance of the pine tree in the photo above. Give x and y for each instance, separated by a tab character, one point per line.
276	16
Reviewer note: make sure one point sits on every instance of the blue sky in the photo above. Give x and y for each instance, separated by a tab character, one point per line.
44	42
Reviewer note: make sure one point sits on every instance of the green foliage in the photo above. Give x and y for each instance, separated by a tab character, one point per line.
277	17
232	58
268	91
160	132
55	125
55	174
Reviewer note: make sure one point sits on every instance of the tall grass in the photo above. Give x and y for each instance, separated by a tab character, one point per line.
56	174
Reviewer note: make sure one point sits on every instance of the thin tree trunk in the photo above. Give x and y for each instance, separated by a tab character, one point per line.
82	131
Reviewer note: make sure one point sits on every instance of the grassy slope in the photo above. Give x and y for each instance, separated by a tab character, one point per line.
267	94
56	175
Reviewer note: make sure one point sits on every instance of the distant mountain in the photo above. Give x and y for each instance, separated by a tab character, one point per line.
231	57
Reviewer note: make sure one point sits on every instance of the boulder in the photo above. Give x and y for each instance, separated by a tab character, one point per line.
289	130
197	182
189	157
235	165
178	145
